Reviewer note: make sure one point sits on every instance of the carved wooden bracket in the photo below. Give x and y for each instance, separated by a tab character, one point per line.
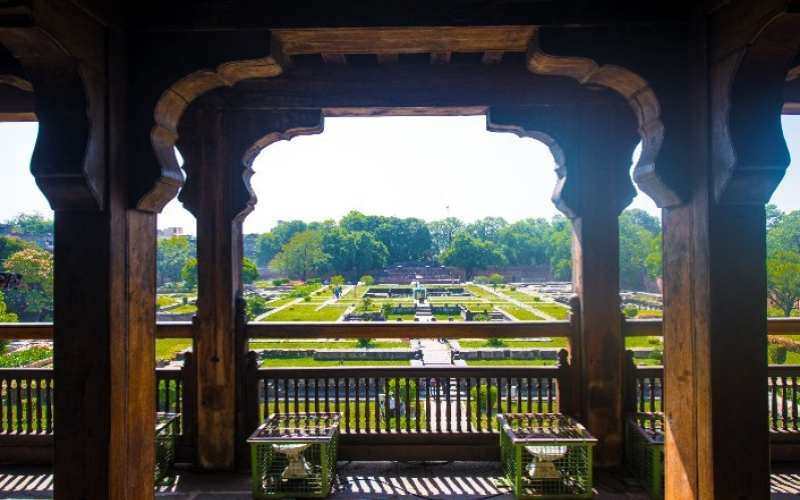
749	151
171	107
232	139
69	158
636	91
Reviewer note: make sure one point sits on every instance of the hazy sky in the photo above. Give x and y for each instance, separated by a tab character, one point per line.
426	167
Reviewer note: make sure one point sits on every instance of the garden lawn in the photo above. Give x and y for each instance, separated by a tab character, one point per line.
302	312
517	295
339	344
480	292
511	362
476	344
168	348
522	314
311	362
273	304
644	342
554	310
184	309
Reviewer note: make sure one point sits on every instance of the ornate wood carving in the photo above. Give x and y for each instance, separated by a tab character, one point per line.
642	99
749	152
68	161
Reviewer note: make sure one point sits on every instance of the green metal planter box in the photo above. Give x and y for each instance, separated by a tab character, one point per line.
644	451
166	432
546	455
294	455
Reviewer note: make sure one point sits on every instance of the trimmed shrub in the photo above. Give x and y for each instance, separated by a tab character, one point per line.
777	354
631	311
483	392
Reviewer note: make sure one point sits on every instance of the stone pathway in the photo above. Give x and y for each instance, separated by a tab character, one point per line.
435	353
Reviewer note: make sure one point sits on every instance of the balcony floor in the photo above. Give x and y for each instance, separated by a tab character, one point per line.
370	481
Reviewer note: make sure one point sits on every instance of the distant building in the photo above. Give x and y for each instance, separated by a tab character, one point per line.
44	241
170	232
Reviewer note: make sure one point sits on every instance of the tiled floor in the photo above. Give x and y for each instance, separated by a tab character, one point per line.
370	481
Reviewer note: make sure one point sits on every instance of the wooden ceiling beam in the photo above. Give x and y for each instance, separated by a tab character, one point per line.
404	40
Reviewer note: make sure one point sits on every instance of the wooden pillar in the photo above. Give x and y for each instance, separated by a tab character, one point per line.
104	314
599	171
218	147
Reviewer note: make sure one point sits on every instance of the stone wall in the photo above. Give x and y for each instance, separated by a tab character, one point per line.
509	353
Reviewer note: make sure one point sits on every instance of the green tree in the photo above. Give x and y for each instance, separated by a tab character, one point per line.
249	271
783	280
525	242
355	251
406	239
443	231
367	280
302	255
35	295
559	249
269	244
256	306
5	316
637	230
10	245
172	254
366	303
495	279
471	254
776	354
34	223
487	228
189	274
337	280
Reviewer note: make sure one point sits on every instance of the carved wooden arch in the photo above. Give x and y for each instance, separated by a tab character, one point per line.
543	132
639	95
170	108
68	158
750	155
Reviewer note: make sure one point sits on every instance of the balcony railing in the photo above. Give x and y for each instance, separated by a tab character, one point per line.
451	421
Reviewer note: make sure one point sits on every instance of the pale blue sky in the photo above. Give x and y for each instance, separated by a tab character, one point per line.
426	167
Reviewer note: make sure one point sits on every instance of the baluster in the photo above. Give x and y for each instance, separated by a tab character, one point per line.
428	411
358	405
39	406
316	395
509	398
29	407
6	405
179	400
785	405
397	403
773	396
417	412
286	405
479	408
327	395
551	382
794	403
458	405
652	395
18	405
448	409
438	403
519	394
469	404
539	399
296	395
528	393
384	384
367	413
640	395
50	406
489	403
346	404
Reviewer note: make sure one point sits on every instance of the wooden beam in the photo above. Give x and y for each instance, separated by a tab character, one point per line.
404	40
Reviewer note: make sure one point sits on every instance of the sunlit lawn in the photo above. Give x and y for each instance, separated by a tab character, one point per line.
522	314
280	302
335	344
167	348
517	295
511	362
556	311
476	344
301	312
480	292
644	342
311	362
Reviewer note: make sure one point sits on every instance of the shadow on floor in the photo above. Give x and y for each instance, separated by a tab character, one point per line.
370	481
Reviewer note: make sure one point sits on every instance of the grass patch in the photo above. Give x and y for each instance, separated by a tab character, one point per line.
476	344
522	314
556	311
480	292
184	309
280	302
643	342
520	296
311	362
167	348
336	344
511	362
164	301
301	312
